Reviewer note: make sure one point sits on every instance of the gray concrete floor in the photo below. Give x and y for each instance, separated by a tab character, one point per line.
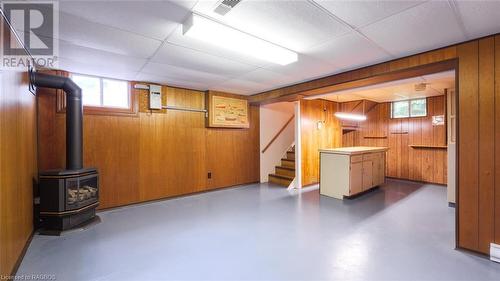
401	231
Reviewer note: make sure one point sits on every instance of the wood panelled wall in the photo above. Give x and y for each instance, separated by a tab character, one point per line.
478	143
18	166
312	138
403	161
155	155
478	125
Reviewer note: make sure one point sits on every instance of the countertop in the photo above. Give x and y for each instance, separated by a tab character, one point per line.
353	150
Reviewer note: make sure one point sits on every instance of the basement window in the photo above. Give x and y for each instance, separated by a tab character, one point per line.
103	92
409	108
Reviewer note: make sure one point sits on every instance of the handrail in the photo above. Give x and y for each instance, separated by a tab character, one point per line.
278	133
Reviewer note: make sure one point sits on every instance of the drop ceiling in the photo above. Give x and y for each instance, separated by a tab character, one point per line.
398	90
142	40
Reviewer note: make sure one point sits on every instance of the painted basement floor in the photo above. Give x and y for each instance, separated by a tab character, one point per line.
401	231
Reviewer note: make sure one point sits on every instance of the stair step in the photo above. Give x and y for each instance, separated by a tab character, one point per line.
280	179
288	163
287	171
290	155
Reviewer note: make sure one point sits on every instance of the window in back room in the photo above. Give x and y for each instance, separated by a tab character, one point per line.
103	92
409	108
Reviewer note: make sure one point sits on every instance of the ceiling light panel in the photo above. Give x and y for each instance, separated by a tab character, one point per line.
202	28
350	116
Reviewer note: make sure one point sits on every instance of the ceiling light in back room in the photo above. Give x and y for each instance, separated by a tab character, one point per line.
202	28
350	116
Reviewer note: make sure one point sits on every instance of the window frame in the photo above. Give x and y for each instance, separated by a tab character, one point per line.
131	110
409	108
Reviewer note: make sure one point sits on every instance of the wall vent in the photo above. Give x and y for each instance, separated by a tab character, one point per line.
224	6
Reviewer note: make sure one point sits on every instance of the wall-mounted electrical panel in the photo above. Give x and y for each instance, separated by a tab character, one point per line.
155	97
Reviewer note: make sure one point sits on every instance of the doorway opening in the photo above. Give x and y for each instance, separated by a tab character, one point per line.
415	118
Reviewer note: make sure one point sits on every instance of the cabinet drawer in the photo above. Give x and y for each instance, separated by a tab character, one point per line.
372	156
356	158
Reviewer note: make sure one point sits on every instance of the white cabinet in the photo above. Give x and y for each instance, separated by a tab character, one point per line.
349	171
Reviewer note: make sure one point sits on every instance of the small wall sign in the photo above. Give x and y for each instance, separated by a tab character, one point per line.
438	120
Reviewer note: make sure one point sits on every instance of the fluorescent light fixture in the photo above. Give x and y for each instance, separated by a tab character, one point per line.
207	30
350	116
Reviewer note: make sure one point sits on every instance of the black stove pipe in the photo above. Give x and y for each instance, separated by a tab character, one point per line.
74	115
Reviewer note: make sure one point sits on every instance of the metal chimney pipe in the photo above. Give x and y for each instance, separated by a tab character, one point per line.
74	115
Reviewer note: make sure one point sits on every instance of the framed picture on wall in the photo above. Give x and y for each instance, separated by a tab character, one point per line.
227	111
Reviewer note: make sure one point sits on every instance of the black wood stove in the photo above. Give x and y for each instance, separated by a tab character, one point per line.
68	197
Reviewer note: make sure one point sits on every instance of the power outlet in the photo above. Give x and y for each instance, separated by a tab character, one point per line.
495	252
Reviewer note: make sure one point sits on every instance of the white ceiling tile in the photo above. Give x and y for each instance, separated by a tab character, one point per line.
181	73
109	71
349	52
97	36
115	38
99	58
267	77
359	13
199	61
398	90
295	25
480	18
305	68
165	80
242	87
425	27
154	19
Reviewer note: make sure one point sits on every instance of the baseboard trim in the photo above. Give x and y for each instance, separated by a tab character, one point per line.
174	197
416	181
22	254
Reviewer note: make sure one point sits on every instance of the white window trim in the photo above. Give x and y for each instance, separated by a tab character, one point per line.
409	108
101	94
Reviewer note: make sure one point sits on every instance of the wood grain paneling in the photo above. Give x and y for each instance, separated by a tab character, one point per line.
472	85
409	67
155	155
405	162
486	109
18	166
312	138
496	215
468	142
475	70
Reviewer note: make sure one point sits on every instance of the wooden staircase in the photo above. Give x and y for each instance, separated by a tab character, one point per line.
285	173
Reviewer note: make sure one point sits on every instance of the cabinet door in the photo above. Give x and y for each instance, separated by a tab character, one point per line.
381	170
356	178
378	171
367	174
